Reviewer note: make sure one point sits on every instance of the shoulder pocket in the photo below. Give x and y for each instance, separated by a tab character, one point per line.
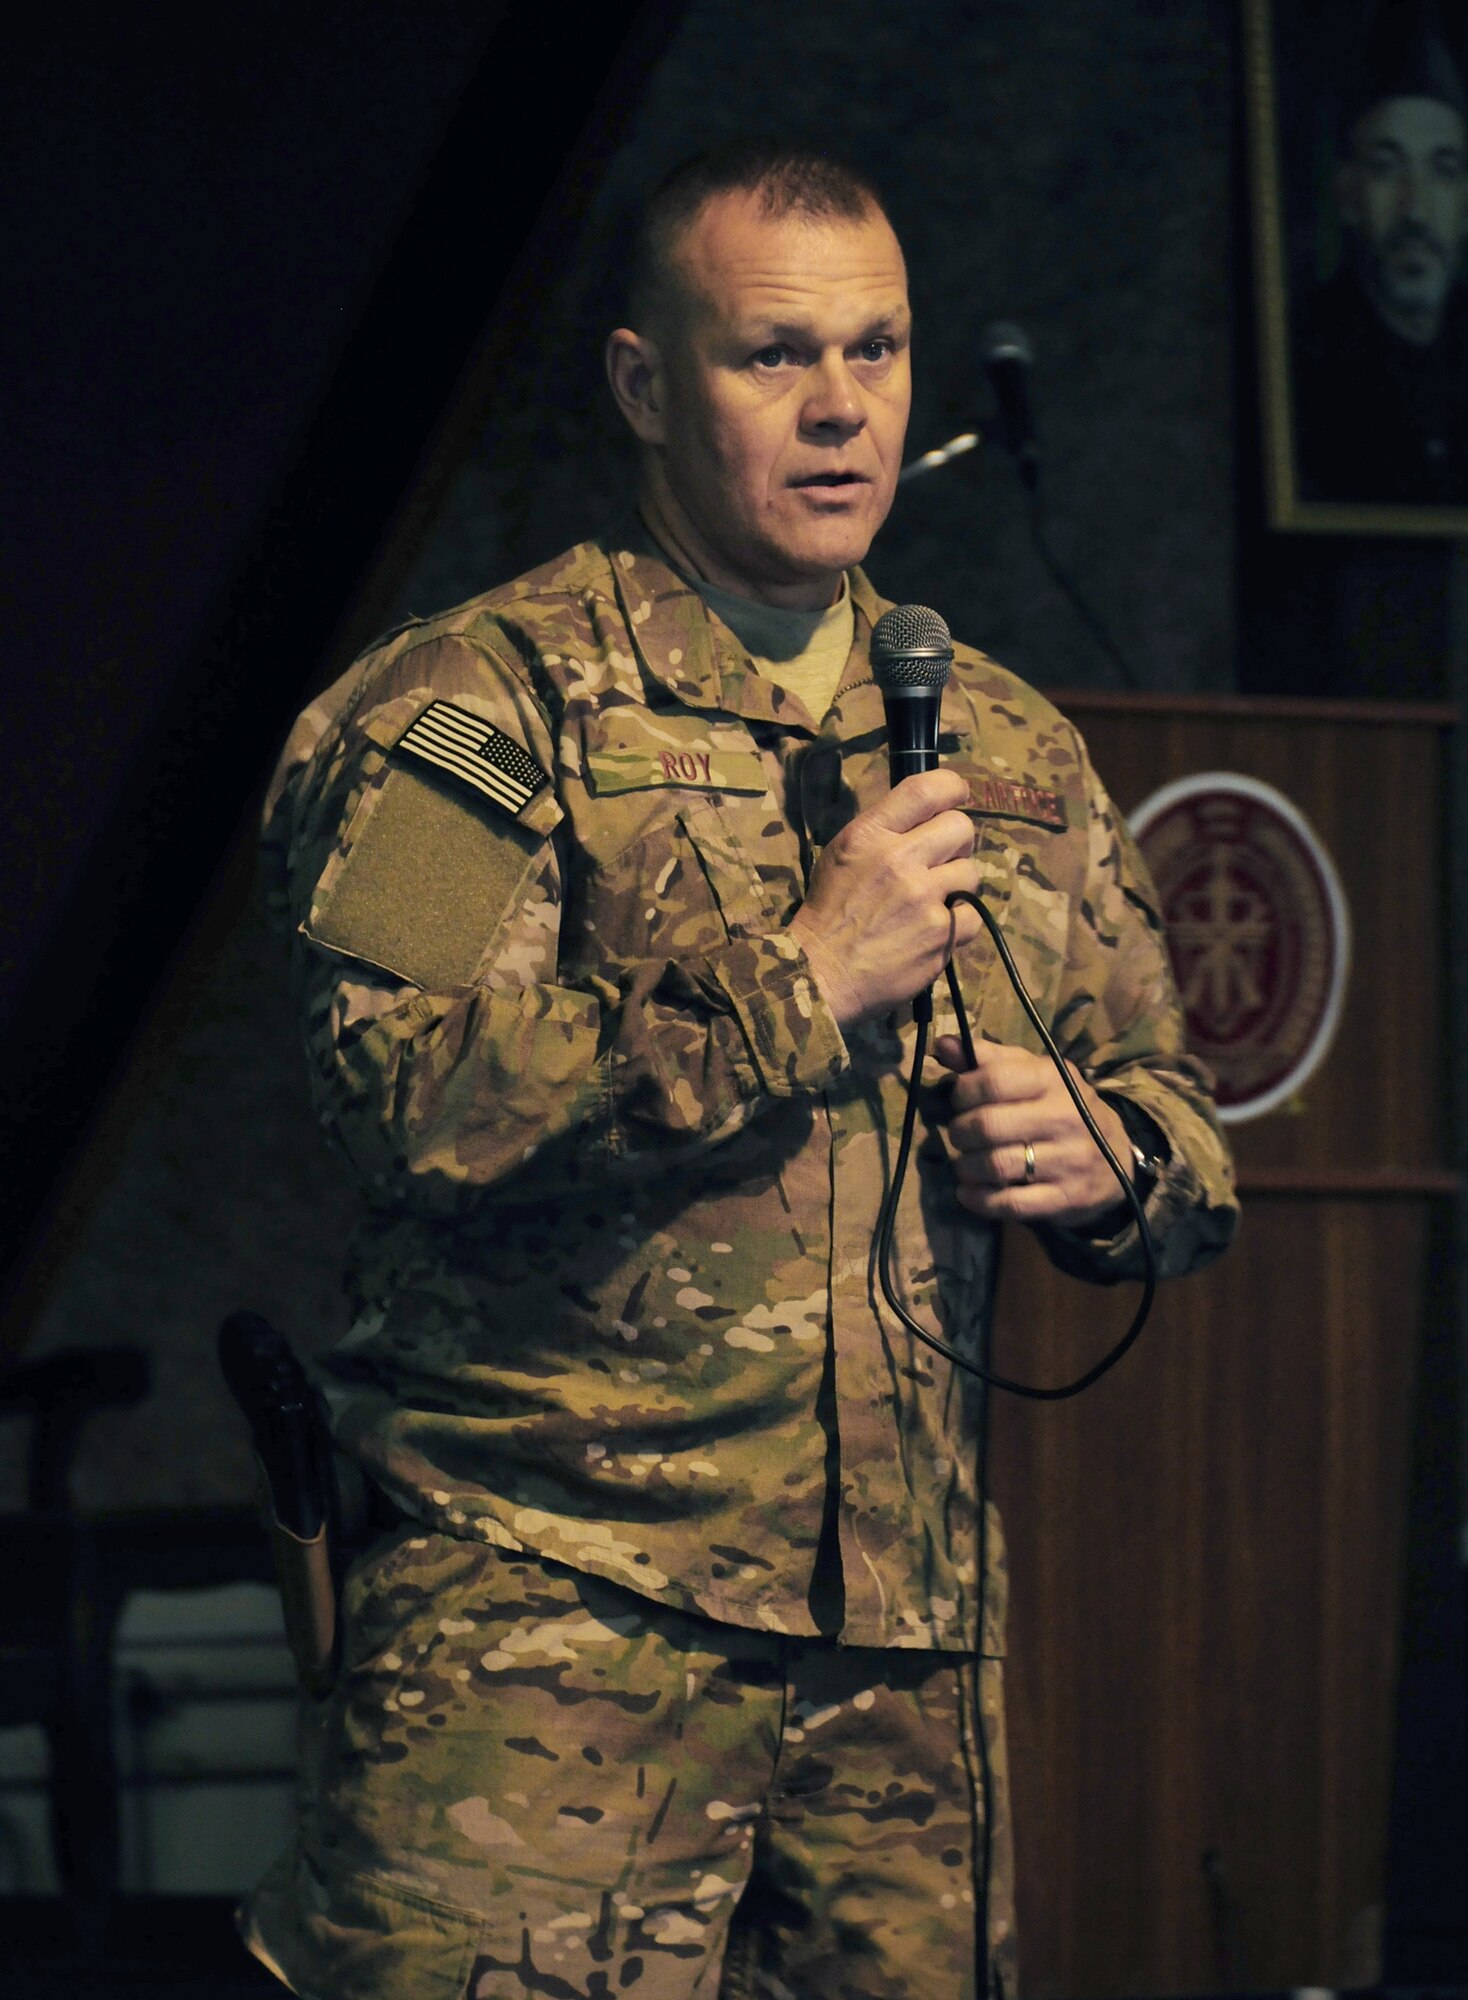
422	879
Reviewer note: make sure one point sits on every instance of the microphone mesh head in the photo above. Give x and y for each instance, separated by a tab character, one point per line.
1002	340
911	647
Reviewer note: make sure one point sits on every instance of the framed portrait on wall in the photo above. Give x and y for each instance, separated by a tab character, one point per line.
1358	141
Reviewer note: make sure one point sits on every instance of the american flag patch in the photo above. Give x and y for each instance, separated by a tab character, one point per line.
475	752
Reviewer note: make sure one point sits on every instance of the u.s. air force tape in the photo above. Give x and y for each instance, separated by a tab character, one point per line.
475	752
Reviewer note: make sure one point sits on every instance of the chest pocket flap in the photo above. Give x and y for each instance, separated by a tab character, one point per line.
751	862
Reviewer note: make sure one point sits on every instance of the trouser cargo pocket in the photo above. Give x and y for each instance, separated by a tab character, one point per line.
347	1938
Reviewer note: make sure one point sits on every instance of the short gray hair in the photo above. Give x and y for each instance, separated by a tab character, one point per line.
789	180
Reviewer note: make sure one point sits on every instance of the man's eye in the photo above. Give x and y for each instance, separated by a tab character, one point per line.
772	357
876	350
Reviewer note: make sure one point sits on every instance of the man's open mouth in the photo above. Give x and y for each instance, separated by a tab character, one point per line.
832	479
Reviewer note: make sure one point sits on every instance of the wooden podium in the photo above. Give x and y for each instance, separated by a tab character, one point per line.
1206	1548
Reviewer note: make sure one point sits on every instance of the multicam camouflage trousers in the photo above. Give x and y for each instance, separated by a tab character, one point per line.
528	1782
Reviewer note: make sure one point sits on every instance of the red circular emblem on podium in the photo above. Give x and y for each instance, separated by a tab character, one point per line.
1257	929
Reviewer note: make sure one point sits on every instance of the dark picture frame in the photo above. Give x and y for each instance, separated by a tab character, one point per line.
1363	432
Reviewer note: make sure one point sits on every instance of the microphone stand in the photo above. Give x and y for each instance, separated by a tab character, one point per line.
966	441
944	454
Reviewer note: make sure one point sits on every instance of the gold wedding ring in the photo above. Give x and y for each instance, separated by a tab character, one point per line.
1029	1165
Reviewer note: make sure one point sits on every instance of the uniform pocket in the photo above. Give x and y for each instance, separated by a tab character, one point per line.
1033	911
345	1937
704	871
750	859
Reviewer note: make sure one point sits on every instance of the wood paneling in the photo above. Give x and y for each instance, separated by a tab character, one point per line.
1206	1547
1371	792
1203	1556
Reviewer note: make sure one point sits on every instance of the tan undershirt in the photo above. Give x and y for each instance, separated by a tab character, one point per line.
804	651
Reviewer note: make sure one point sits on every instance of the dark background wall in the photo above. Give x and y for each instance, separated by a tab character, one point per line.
198	203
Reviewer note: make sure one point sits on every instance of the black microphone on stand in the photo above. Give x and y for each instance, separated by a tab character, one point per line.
911	654
1008	358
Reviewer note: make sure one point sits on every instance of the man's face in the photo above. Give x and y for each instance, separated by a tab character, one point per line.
1403	190
784	391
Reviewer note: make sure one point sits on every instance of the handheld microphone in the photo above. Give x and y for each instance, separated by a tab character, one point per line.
1008	358
911	655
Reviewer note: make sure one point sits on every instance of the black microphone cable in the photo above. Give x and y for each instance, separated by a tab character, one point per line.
922	1009
1070	590
911	655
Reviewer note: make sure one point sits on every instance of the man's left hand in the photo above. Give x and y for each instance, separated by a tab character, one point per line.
1023	1154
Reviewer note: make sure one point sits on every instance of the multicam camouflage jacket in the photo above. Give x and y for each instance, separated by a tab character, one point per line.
614	1297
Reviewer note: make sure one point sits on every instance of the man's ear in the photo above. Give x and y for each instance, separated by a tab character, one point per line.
635	371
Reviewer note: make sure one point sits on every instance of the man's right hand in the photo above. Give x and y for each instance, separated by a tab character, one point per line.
874	924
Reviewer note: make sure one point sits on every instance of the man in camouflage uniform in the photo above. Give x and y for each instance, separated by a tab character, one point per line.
681	1676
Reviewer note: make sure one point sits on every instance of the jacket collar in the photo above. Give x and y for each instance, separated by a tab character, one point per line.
690	654
858	704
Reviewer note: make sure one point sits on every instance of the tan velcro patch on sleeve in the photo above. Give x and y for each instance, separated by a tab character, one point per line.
424	884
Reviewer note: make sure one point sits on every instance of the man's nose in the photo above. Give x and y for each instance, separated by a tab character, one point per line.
833	400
